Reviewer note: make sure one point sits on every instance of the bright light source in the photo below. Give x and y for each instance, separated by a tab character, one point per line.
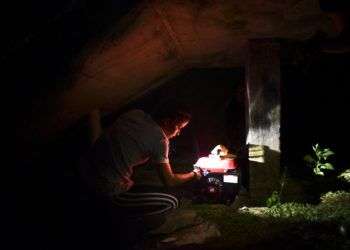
216	161
231	178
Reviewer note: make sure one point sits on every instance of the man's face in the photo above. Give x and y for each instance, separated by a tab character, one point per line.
177	129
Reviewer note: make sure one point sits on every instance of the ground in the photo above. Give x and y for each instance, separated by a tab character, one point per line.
288	225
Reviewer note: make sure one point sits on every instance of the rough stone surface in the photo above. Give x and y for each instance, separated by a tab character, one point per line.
166	38
182	227
196	235
263	78
179	219
263	86
264	177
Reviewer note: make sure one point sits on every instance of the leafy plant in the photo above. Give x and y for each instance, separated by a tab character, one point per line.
334	207
305	212
294	211
318	160
273	200
338	197
345	175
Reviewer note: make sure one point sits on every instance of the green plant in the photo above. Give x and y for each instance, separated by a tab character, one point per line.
334	207
273	200
338	197
294	212
318	160
345	175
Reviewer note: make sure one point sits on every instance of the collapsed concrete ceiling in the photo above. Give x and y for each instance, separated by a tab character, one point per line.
162	38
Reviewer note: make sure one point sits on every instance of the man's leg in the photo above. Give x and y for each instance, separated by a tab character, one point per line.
144	201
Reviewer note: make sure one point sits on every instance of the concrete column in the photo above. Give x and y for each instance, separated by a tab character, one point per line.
263	78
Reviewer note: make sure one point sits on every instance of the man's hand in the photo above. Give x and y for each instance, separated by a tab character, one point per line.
197	174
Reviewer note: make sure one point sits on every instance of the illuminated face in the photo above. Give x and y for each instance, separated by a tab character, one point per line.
177	129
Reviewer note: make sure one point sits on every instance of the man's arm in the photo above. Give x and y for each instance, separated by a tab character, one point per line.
171	179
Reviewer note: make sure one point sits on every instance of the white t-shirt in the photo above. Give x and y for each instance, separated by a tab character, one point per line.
136	138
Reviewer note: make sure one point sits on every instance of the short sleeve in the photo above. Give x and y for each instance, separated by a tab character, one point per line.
161	152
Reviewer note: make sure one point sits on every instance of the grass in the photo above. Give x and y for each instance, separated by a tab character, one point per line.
303	226
238	229
305	219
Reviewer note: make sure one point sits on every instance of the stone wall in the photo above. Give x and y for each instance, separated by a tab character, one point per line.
263	92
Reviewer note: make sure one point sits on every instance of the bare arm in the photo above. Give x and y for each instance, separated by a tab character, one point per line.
171	179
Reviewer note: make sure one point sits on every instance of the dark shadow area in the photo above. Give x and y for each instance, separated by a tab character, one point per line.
46	205
315	99
41	47
216	99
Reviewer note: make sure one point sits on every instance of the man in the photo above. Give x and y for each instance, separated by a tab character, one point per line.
133	139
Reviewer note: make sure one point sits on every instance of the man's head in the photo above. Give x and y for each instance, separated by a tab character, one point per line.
172	119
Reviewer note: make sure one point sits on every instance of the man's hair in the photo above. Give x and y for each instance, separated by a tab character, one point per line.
176	112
